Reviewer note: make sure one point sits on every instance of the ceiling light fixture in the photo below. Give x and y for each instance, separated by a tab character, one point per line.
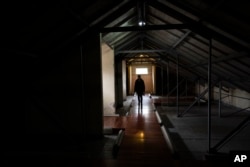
141	23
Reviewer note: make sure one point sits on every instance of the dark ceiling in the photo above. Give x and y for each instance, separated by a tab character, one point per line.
172	27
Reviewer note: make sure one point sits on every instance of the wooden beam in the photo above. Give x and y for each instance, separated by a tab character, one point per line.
141	51
145	28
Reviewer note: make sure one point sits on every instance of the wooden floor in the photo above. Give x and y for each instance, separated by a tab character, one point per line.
143	143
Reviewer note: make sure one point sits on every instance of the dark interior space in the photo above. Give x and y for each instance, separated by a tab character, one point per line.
53	112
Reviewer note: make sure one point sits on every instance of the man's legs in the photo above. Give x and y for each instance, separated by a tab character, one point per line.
140	99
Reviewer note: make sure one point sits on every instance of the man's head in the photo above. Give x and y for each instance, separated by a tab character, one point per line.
139	76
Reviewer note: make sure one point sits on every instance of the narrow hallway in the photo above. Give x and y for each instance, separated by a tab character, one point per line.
143	143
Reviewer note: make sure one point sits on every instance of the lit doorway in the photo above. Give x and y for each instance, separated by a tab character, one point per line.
147	72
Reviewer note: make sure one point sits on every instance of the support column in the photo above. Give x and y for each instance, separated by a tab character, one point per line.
162	85
186	88
92	104
220	99
209	95
162	81
168	82
118	82
177	82
199	90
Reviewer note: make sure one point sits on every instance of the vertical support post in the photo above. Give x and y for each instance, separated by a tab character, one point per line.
167	81
161	81
119	82
209	95
199	90
83	115
92	58
177	82
186	89
220	99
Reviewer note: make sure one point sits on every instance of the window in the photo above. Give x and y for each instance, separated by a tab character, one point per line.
141	70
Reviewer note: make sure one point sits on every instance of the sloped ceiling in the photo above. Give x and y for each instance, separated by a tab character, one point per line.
172	27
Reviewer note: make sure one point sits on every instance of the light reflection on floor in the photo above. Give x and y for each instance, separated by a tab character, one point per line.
143	111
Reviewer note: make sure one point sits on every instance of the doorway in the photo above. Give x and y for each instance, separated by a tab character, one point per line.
147	72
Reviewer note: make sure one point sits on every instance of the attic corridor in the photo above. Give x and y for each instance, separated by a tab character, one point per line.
58	90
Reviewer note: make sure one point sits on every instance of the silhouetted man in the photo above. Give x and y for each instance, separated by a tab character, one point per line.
139	89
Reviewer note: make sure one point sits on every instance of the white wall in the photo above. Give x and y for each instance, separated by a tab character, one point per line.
202	88
124	80
108	80
239	102
232	97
